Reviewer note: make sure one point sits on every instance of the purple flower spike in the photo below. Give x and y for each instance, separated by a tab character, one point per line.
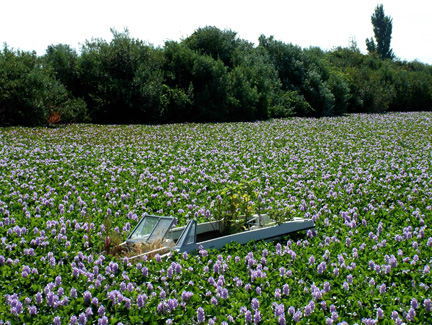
200	315
382	288
296	316
103	321
427	305
255	303
32	310
257	317
248	317
411	314
87	297
73	320
380	313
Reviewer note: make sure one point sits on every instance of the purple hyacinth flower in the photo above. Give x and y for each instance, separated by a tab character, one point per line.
73	320
38	298
248	317
82	319
411	314
200	315
87	297
103	321
32	310
257	316
101	310
285	289
380	313
255	303
427	304
296	316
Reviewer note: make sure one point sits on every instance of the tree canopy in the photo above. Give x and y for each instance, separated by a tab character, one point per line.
382	27
211	76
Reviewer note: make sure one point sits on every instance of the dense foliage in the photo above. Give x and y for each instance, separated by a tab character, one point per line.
364	179
30	94
209	76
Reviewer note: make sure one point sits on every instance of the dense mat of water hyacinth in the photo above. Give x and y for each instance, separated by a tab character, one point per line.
366	180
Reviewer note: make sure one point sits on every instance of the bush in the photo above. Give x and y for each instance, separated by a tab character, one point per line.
122	81
220	45
199	82
31	94
211	76
318	94
339	87
63	60
290	103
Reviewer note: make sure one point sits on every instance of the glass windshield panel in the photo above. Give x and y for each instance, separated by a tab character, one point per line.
145	228
190	239
160	230
188	236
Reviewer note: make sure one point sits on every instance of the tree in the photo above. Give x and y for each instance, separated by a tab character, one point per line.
196	85
254	85
382	27
121	80
219	44
31	95
64	61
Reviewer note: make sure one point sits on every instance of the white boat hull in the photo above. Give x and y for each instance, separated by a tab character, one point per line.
207	235
246	236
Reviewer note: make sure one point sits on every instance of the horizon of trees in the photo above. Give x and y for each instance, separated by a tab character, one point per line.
210	76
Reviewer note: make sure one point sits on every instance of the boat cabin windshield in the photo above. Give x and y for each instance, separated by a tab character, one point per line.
189	235
151	229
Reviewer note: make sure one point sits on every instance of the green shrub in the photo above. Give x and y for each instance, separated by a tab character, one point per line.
30	94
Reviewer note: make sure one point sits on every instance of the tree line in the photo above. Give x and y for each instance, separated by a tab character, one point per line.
210	76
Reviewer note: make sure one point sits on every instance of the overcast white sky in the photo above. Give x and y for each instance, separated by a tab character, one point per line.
33	25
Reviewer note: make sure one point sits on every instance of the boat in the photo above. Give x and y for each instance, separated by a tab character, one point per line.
158	233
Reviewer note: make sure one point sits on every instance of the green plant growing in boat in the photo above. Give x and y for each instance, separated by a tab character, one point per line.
280	215
235	206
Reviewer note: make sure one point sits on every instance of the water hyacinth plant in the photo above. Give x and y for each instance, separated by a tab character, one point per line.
363	179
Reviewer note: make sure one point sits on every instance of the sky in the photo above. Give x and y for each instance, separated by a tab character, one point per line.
34	25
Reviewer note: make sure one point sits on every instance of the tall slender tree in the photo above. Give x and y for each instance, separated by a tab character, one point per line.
382	27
